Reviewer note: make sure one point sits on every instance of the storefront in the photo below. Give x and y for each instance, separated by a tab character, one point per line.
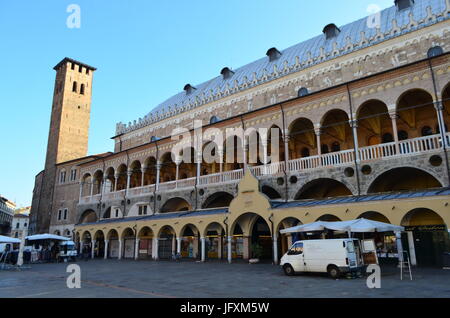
145	247
128	248
114	248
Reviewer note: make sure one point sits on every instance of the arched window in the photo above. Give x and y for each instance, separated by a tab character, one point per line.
427	131
387	138
402	135
82	89
214	119
74	87
435	51
303	92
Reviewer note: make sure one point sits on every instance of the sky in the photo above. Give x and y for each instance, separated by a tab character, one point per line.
145	52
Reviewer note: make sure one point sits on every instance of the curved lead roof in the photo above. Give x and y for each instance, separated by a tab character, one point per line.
352	37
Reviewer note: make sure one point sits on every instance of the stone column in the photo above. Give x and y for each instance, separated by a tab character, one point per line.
81	189
179	245
318	132
203	243
92	187
155	249
106	249
120	248
229	249
246	248
220	153
93	249
354	126
394	117
440	116
158	172
136	249
116	177
265	155
220	247
286	139
177	171
275	249
129	173
199	158
245	151
143	170
105	180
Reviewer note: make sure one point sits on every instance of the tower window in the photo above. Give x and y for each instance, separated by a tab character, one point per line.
74	87
82	89
65	214
80	69
59	215
87	71
73	66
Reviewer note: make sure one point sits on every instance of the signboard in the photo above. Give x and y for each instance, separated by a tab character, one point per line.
426	228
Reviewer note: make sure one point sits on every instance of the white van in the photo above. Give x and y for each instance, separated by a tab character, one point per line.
334	257
67	251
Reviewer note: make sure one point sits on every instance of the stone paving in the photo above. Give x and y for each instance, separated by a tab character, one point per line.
125	278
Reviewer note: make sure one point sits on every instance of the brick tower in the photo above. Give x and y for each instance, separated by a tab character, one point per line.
68	134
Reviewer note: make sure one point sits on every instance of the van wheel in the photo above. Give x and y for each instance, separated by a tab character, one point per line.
334	271
288	270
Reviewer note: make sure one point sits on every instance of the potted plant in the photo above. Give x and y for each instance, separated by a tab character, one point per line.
257	252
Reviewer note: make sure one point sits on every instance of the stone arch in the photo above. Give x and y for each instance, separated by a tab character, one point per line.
415	108
110	179
233	153
270	192
168	168
374	216
99	248
136	174
97	182
403	179
190	241
374	122
113	243
285	241
329	218
218	200
214	234
323	188
302	137
422	216
336	133
276	154
127	232
86	183
166	242
128	237
256	230
121	175
176	204
88	216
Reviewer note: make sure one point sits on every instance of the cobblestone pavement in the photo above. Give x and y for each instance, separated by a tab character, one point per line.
124	278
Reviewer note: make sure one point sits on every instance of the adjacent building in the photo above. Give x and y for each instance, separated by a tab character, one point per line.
358	118
20	222
7	208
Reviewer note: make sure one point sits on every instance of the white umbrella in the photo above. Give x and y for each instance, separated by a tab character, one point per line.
6	239
39	237
310	227
364	226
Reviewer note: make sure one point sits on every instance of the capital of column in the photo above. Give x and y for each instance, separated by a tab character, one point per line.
144	168
439	106
318	131
353	123
129	173
393	115
116	175
158	165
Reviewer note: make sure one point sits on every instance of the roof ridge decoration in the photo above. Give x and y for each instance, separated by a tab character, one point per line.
352	37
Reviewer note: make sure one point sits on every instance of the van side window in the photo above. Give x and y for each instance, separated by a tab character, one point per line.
296	249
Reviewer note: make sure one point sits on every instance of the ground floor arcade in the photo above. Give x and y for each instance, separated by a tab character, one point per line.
251	226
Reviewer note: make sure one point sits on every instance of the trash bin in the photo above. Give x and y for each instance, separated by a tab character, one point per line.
446	260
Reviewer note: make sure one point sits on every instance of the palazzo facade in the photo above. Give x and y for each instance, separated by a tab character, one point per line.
361	116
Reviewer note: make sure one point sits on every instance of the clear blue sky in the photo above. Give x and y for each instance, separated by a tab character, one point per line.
145	52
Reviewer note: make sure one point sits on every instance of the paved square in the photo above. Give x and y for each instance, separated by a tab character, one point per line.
190	279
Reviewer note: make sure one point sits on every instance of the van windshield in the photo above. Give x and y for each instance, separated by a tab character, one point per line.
350	247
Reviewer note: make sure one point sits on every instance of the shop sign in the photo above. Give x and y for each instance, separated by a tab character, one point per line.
426	228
